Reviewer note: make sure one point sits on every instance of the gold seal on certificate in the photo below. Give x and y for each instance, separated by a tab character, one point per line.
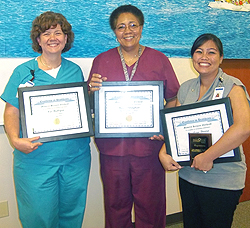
129	118
57	121
198	143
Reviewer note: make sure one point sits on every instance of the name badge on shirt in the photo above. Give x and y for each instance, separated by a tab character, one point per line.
27	84
218	93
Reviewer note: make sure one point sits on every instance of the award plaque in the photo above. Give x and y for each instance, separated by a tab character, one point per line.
128	109
55	112
198	143
209	117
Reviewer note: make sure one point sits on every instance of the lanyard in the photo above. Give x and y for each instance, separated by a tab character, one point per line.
125	67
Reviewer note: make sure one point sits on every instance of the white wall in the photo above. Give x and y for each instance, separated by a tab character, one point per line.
94	216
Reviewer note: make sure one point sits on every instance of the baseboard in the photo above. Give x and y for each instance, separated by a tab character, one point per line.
174	218
171	219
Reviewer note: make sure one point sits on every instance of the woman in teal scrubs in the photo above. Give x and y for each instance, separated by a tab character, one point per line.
50	178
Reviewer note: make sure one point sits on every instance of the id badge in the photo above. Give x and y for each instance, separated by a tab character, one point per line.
27	84
218	93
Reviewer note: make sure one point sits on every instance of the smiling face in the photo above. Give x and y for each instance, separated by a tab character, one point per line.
128	31
53	40
207	59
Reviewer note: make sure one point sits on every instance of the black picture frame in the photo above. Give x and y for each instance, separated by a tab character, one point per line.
120	100
213	117
55	112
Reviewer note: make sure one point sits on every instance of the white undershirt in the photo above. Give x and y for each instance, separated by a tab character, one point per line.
53	72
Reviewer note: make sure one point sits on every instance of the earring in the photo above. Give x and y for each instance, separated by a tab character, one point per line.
116	40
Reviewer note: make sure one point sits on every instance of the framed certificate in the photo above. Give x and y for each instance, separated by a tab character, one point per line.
55	112
210	117
128	109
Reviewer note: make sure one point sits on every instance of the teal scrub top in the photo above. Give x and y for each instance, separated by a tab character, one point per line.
56	152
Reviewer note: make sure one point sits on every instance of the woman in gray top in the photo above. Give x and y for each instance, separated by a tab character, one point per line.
210	192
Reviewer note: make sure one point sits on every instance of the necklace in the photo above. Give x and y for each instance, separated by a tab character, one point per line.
125	70
48	66
131	59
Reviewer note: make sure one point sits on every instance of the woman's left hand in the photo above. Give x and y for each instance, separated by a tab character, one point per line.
168	163
202	162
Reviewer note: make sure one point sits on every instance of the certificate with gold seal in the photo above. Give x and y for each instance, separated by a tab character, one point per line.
55	112
128	109
124	109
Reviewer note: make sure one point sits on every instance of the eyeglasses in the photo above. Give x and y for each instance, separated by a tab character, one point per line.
131	26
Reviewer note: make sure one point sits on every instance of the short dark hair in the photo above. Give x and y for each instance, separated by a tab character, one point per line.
204	38
44	22
125	9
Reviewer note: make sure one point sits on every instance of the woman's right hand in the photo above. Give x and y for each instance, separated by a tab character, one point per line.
157	137
11	125
26	145
96	82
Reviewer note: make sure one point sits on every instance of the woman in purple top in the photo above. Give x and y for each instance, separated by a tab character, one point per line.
130	167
